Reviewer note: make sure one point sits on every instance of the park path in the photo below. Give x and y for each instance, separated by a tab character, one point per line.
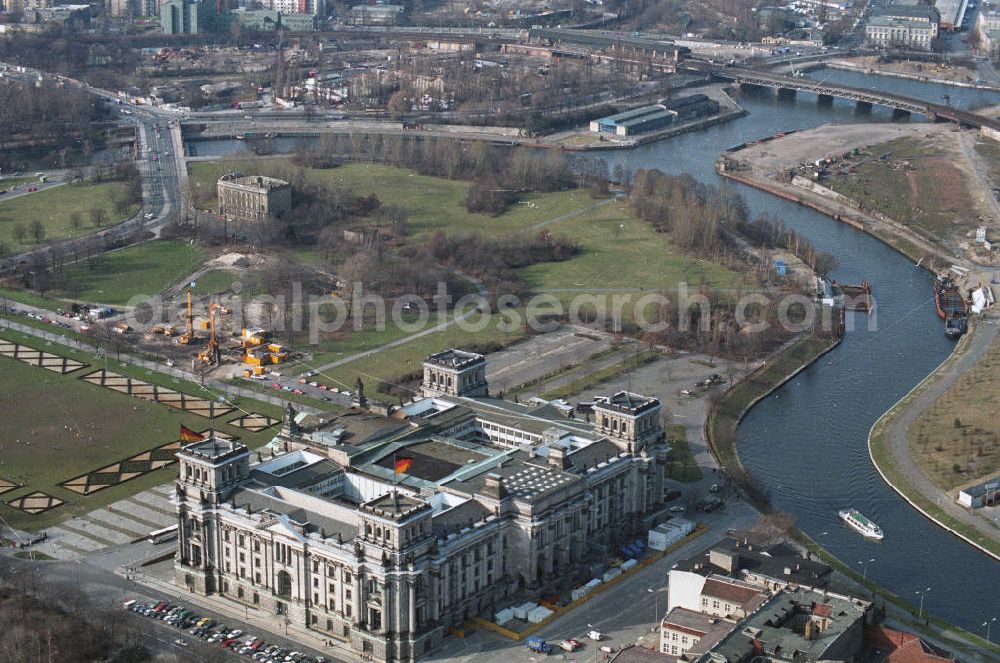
576	212
982	335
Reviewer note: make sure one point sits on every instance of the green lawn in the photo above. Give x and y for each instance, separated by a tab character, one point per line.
431	203
621	251
61	427
350	341
145	269
384	369
29	297
8	182
683	466
214	281
53	208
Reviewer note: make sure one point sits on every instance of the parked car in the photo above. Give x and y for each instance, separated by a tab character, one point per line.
595	635
569	644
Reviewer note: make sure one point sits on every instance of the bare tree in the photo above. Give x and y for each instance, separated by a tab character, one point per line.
37	231
98	217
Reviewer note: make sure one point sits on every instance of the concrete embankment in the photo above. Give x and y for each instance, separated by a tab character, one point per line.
725	414
842	209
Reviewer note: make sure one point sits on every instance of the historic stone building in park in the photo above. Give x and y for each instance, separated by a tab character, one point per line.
250	206
383	527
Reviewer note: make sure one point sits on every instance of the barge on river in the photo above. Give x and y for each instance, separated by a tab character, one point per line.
951	306
856	297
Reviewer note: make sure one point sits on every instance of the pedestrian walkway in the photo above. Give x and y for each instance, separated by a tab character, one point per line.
118	523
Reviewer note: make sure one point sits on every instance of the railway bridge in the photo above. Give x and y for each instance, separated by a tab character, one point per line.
826	91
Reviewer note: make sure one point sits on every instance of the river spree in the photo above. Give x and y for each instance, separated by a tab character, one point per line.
807	442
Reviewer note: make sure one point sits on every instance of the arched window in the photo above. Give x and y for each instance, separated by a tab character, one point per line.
284	585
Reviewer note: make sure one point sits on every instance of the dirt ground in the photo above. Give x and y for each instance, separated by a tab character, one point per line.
917	173
931	70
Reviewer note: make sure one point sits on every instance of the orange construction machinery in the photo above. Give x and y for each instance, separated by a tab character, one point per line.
259	351
211	354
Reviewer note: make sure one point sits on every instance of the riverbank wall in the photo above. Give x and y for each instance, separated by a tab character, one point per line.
726	413
894	236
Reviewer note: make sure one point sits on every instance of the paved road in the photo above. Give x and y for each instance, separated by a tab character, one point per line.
983	334
162	178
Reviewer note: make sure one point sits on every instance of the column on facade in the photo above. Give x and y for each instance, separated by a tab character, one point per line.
357	599
412	612
385	626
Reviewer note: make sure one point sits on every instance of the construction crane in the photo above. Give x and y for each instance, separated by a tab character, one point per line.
211	354
188	336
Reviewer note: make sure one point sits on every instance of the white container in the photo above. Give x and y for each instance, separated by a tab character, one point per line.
504	616
628	565
538	614
521	611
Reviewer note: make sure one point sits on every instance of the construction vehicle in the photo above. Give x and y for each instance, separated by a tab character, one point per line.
188	335
211	353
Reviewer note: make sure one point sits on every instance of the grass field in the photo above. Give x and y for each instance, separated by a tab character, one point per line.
959	430
431	203
61	427
53	208
8	182
379	372
29	297
350	341
213	281
683	466
144	269
621	251
917	183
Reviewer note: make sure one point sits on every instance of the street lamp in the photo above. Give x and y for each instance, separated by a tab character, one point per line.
656	608
988	624
920	612
864	574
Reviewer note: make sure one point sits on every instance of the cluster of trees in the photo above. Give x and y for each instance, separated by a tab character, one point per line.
695	214
513	88
53	123
58	49
773	234
496	260
43	623
498	173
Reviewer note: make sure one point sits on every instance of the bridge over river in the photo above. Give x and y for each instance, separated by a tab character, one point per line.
826	90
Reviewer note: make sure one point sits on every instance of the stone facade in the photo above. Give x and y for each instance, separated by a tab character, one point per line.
333	533
253	204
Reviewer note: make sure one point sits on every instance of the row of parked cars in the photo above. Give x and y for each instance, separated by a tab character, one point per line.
207	629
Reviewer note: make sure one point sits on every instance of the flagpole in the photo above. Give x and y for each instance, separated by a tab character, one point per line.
211	417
